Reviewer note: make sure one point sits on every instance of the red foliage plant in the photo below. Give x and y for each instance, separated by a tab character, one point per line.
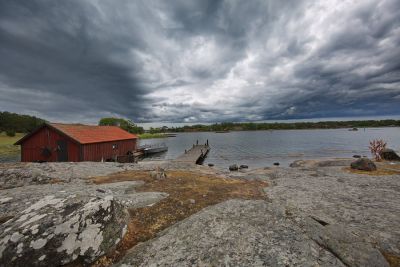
376	146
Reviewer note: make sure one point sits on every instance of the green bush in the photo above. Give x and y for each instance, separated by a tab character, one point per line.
10	133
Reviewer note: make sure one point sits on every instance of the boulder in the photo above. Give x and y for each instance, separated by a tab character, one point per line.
346	244
57	231
363	164
234	167
253	233
389	154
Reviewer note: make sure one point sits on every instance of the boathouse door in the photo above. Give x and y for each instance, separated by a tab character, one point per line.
62	150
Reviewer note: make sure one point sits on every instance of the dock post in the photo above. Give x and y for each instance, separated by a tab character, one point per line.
207	142
197	142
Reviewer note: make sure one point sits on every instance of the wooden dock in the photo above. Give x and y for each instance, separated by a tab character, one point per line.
196	154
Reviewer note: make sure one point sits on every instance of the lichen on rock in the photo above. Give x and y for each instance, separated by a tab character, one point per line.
56	231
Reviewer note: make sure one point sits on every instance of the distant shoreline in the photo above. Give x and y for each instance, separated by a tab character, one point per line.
325	125
270	130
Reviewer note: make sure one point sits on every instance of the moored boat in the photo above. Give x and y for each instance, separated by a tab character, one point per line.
154	149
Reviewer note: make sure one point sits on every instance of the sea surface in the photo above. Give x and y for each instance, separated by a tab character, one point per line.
10	157
263	148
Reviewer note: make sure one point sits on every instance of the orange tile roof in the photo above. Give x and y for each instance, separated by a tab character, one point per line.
86	134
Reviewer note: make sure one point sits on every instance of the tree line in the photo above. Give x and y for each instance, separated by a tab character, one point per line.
13	122
249	126
125	124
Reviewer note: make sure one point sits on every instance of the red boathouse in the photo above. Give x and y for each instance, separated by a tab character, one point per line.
76	142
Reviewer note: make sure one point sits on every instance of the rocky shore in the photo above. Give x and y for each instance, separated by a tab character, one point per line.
315	213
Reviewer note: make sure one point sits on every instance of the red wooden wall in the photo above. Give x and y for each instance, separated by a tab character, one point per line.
99	151
31	148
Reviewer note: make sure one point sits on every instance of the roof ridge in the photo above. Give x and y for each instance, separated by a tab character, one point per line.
86	134
93	133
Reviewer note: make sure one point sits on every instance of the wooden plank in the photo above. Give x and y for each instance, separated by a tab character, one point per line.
194	155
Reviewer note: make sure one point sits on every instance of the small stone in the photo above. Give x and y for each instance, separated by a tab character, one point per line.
244	167
357	156
276	163
192	201
234	167
210	165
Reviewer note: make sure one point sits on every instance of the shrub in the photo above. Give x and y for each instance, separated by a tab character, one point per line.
10	133
376	146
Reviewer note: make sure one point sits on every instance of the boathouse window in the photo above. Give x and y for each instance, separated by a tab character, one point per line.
114	146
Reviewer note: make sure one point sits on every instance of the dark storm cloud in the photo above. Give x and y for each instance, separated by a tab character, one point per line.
56	51
199	61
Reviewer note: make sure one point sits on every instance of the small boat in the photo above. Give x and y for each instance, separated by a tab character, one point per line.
154	149
221	131
170	135
353	129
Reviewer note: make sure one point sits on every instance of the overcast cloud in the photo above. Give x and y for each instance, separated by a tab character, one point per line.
199	61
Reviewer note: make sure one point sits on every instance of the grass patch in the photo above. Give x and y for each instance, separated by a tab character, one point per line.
183	187
151	136
7	143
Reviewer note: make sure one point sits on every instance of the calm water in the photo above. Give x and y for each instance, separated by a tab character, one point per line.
263	148
10	158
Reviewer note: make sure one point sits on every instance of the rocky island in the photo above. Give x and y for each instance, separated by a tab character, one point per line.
165	213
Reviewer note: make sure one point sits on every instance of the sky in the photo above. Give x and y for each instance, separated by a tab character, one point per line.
182	61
